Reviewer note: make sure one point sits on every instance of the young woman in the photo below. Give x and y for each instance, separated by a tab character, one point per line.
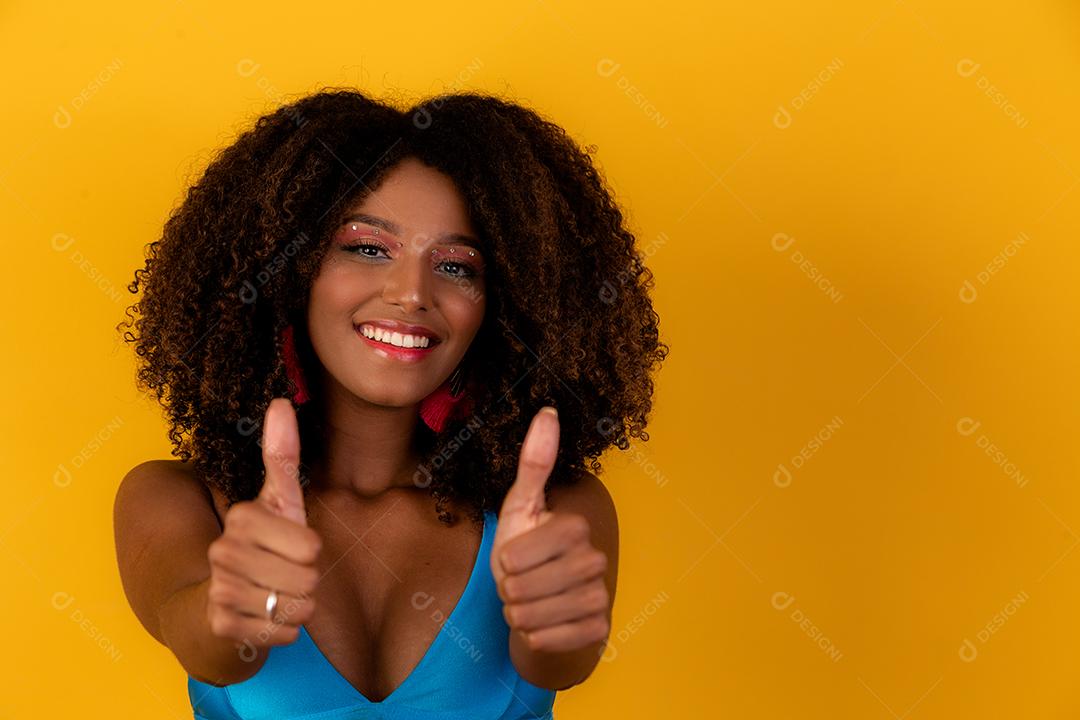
360	322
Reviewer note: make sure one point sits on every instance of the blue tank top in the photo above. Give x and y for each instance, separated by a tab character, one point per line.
465	674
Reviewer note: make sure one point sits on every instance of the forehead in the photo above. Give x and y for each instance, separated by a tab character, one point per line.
415	198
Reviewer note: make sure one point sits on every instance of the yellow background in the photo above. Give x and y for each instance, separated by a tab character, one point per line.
810	270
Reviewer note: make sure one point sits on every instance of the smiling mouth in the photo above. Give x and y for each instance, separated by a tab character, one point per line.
403	341
386	347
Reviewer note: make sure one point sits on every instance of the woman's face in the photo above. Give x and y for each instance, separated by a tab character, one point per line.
402	257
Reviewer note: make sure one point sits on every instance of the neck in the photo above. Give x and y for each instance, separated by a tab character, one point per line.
363	448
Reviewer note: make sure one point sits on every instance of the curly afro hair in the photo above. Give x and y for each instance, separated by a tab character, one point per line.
569	321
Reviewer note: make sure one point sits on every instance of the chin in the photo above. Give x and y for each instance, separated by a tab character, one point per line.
397	395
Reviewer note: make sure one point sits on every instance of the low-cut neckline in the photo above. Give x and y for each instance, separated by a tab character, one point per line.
470	587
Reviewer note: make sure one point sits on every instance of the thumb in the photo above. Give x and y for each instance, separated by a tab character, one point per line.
281	459
535	463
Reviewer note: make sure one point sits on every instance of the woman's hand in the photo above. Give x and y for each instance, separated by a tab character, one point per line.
266	545
548	574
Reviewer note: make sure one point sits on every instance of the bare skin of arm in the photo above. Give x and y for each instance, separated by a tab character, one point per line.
560	668
201	590
555	561
164	522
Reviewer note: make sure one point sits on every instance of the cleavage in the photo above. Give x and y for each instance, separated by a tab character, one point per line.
389	581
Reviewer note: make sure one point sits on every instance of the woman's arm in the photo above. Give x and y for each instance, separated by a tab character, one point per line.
561	669
164	522
555	560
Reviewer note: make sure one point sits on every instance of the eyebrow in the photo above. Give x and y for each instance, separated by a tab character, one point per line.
392	227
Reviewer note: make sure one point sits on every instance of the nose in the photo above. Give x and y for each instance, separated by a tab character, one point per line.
408	284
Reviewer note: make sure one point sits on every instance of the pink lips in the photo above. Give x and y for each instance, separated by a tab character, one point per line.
398	353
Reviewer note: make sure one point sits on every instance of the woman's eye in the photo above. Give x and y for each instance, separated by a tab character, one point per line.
372	251
460	269
364	249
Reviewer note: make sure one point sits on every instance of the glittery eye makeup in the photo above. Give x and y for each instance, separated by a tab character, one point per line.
356	230
468	260
461	261
354	238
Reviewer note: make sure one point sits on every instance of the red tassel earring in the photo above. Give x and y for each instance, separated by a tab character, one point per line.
448	402
292	367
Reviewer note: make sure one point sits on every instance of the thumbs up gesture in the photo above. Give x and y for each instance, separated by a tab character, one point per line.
266	547
281	491
547	572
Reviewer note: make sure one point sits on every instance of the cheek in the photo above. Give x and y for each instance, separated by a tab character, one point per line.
338	288
330	304
464	311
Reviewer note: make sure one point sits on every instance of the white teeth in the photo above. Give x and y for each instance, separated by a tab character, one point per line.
394	338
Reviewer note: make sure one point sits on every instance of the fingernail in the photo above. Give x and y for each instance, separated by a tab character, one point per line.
550	409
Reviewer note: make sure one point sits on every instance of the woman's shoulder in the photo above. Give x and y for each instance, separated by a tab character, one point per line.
588	496
168	481
582	492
